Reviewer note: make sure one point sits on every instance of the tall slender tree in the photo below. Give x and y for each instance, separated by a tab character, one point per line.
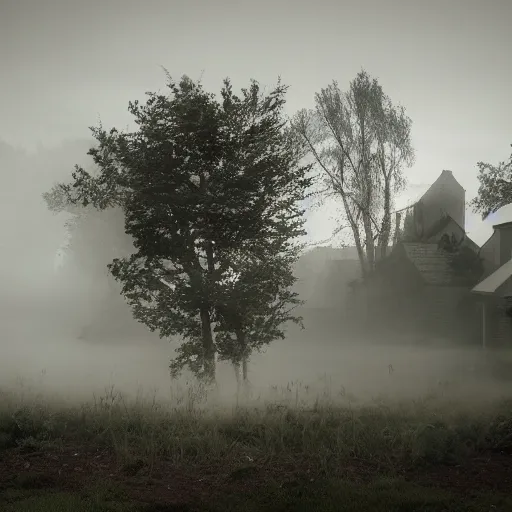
361	143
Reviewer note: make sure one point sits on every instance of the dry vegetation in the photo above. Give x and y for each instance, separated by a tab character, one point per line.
289	447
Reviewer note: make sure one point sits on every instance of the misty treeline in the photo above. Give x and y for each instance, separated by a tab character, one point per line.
210	190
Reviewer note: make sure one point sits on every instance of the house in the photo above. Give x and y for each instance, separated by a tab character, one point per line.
494	291
440	211
423	287
323	277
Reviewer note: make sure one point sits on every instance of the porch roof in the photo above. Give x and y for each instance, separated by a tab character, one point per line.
491	283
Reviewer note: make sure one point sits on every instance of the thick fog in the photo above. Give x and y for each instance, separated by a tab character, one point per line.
65	65
50	307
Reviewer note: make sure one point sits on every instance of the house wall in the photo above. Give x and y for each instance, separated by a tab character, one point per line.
498	248
502	335
427	312
390	302
503	322
445	196
505	290
490	254
498	323
422	312
505	243
447	310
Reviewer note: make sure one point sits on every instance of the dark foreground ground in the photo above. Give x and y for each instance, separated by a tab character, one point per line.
77	479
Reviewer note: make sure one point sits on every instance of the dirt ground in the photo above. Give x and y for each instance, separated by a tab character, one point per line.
174	487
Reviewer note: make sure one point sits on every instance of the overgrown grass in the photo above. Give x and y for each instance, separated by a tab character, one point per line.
324	427
321	428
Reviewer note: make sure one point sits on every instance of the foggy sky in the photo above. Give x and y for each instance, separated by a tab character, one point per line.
66	63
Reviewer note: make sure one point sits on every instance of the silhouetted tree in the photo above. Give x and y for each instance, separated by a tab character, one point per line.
205	187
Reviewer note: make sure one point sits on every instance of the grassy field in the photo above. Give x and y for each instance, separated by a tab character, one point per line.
296	449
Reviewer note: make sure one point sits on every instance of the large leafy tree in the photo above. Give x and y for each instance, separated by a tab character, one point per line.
203	185
361	142
495	190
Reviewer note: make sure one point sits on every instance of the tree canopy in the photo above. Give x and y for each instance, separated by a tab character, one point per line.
210	191
495	190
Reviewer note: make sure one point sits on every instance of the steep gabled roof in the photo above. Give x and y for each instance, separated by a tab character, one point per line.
444	177
493	282
406	201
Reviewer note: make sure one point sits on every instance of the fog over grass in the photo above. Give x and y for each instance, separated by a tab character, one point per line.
43	312
359	373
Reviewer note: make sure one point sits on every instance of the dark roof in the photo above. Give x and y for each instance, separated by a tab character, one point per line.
432	263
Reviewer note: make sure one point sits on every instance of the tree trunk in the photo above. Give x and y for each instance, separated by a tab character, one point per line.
357	237
386	220
370	244
244	369
398	234
206	322
241	340
236	367
208	346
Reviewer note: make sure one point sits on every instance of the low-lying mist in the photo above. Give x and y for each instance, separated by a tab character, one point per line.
42	315
302	367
